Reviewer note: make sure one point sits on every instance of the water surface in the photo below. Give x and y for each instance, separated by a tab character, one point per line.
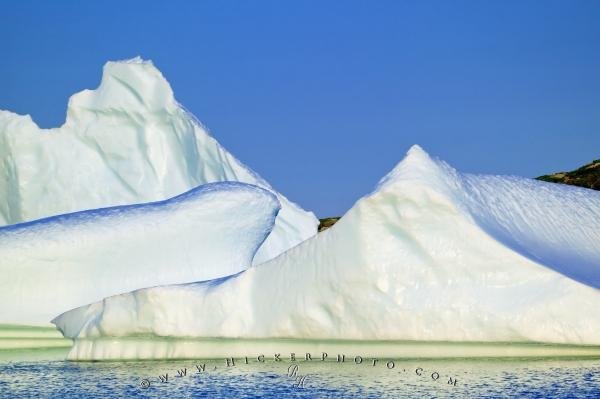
43	374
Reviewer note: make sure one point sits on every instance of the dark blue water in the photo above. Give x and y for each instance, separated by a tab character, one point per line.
27	377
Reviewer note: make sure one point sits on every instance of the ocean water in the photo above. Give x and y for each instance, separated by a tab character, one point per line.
43	374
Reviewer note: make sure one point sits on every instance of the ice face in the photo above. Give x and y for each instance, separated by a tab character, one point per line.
51	265
555	225
426	257
126	142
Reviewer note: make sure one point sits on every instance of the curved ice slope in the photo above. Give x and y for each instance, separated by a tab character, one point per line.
51	265
555	226
126	142
419	259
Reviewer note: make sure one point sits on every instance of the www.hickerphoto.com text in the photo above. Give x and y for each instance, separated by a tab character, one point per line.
293	370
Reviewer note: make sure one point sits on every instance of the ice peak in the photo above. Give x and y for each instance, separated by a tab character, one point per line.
416	155
416	165
132	63
132	85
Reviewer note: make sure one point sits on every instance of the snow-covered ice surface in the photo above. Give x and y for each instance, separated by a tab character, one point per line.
431	255
51	265
126	142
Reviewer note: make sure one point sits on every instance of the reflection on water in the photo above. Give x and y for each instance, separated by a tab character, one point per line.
43	375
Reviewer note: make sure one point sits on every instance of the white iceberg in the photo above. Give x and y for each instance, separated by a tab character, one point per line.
51	265
431	255
126	142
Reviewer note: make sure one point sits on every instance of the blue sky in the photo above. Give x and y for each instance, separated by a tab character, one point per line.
323	98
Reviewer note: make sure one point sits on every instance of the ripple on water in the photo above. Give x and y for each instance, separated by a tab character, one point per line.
530	378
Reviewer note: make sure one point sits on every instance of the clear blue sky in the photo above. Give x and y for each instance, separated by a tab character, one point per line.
323	98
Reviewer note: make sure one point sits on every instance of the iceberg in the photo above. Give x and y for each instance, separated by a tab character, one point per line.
126	142
51	265
432	255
